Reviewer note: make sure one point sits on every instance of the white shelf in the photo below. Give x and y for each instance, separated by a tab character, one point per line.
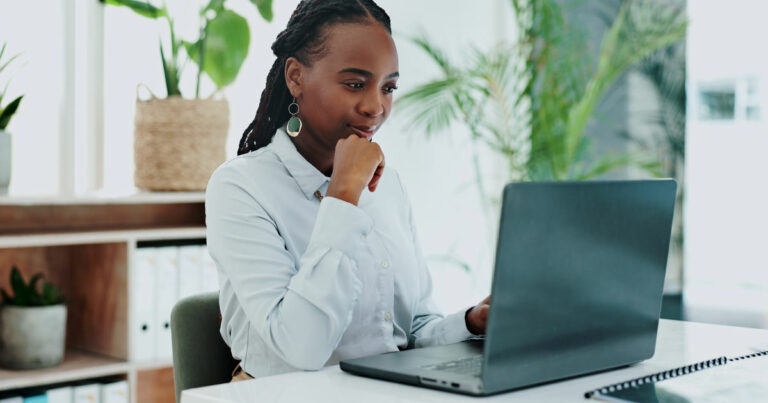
83	238
105	198
76	365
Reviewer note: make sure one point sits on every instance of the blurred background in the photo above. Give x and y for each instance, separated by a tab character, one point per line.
490	92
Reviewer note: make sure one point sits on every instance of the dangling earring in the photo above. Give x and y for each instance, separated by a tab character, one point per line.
294	123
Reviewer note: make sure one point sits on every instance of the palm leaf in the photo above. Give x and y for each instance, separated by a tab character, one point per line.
8	111
631	37
432	106
437	54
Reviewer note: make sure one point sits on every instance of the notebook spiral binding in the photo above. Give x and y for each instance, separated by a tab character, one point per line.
671	373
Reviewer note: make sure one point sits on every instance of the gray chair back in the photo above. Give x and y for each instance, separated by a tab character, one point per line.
200	356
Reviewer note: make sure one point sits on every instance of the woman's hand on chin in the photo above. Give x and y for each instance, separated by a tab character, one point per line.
357	163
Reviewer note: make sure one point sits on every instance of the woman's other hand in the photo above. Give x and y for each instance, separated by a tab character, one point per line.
477	317
357	163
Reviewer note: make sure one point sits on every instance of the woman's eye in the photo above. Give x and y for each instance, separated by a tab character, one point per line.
355	85
390	89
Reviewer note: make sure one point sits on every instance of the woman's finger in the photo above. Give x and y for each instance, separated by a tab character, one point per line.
377	174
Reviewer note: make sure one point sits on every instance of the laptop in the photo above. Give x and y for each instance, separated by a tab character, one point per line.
577	289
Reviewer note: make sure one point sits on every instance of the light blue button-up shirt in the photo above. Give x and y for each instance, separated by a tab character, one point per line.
306	283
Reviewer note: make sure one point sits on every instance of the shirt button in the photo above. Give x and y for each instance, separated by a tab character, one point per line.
387	316
385	264
362	237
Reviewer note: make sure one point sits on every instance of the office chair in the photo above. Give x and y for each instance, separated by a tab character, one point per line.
200	356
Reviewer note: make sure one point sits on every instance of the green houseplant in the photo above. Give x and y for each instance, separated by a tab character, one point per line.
220	49
529	100
201	125
6	113
32	323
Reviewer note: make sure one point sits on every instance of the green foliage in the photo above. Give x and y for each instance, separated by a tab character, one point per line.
530	100
7	111
226	44
27	294
220	49
141	8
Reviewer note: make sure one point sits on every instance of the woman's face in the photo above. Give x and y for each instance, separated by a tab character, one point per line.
347	89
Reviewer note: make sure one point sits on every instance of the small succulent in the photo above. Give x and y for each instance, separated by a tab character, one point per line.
7	111
26	294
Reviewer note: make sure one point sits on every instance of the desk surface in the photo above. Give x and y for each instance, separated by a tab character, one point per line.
679	343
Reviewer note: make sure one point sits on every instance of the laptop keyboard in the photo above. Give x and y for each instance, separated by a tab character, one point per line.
471	366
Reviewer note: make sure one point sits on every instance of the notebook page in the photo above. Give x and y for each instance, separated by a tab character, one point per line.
743	381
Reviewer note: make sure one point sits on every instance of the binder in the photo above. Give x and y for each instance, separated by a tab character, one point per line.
116	392
142	300
190	270
210	273
36	399
653	386
166	270
90	393
59	395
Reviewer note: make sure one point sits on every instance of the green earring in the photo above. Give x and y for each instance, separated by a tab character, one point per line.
294	123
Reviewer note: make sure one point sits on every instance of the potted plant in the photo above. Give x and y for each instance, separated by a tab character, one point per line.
198	125
32	324
529	100
6	113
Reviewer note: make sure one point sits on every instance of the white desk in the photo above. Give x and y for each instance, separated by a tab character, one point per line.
678	343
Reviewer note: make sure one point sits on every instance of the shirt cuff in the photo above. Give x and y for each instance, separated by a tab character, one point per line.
342	226
456	328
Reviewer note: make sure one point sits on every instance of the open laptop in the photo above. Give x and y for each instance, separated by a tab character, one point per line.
577	288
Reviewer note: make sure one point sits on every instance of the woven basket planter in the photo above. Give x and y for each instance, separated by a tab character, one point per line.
178	143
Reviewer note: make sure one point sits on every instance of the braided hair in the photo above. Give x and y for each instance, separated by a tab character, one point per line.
302	39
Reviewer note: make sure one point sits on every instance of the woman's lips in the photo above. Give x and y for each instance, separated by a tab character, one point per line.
365	132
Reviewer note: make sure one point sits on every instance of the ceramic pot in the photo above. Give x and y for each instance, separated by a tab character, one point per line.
32	337
5	162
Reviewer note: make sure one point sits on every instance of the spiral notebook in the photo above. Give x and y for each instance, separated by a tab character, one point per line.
719	379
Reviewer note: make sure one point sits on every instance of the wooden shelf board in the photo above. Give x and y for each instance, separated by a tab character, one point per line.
77	365
152	365
95	237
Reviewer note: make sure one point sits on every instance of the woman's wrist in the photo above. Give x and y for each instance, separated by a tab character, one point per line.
347	195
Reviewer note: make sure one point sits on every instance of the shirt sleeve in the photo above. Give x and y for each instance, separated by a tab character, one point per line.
429	326
300	309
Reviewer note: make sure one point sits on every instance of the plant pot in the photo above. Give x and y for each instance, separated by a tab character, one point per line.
32	337
5	162
178	143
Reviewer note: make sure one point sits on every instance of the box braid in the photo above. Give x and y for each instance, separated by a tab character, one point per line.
302	39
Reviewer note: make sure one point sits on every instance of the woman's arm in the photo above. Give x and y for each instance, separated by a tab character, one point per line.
429	327
300	311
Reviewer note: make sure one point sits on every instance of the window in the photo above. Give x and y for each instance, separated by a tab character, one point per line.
717	103
733	100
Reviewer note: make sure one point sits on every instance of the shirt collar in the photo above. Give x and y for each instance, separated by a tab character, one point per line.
306	175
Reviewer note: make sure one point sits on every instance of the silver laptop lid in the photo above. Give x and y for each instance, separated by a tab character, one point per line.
578	279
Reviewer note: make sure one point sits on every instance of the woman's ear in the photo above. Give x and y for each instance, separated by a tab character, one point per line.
294	74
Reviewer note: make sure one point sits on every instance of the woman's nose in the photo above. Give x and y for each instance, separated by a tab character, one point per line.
371	105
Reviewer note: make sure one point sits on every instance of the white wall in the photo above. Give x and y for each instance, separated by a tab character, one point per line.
38	75
726	272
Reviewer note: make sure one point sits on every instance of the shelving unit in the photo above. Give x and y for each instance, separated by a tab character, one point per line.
86	245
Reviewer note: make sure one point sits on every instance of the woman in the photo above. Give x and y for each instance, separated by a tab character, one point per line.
314	269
